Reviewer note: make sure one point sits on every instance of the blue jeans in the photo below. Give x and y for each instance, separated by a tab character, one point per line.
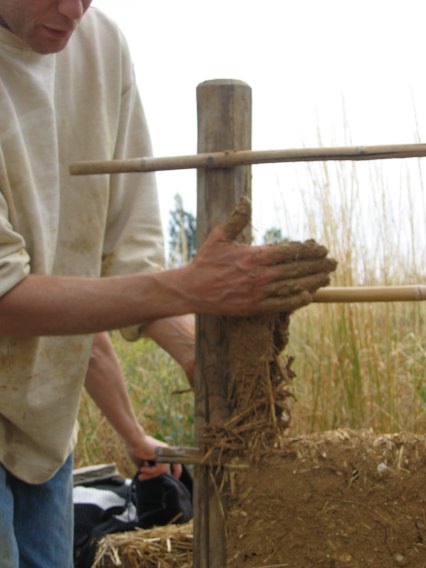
36	521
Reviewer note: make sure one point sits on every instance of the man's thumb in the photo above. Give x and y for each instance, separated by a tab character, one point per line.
238	219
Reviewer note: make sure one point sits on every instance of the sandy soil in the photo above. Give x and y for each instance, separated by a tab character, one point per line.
337	499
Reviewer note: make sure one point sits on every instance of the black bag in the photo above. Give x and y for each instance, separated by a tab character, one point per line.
118	505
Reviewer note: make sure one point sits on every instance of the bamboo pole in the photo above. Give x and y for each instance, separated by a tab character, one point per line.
224	120
411	293
231	158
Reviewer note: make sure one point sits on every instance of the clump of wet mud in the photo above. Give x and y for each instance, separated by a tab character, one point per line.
260	390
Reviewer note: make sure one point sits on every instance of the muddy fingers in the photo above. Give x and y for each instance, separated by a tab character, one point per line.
286	304
292	286
291	251
301	268
290	295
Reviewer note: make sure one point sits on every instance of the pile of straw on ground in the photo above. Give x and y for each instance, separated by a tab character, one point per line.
160	547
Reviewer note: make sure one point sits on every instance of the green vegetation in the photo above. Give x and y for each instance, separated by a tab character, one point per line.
357	365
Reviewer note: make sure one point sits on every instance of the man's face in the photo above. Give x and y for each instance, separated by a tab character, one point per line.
44	25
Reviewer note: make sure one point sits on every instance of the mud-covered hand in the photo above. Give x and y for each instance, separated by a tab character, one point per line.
233	279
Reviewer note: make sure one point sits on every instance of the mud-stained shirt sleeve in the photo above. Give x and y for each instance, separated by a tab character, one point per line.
14	259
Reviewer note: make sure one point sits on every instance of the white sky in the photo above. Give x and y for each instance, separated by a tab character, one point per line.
305	60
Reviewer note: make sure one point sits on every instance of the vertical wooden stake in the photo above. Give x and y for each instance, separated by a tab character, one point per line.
224	123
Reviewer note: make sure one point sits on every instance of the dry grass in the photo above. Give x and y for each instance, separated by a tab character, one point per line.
363	365
161	547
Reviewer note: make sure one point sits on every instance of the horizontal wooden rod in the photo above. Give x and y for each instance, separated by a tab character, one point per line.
350	294
232	158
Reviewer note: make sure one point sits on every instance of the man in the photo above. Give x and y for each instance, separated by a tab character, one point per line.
79	257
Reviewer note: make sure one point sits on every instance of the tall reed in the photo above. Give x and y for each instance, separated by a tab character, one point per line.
362	365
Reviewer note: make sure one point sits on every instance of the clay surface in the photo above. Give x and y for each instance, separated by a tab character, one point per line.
335	499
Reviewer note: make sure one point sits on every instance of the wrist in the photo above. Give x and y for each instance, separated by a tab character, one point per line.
134	436
172	289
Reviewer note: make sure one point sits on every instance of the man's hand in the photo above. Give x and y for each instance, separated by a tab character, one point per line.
231	279
142	453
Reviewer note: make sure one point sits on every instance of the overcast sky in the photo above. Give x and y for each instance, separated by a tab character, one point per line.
353	70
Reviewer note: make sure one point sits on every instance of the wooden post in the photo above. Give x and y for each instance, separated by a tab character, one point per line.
224	121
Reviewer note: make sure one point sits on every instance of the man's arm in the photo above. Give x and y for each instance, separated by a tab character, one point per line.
176	335
224	279
106	386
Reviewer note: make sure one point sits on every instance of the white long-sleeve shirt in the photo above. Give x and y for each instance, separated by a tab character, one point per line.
79	104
